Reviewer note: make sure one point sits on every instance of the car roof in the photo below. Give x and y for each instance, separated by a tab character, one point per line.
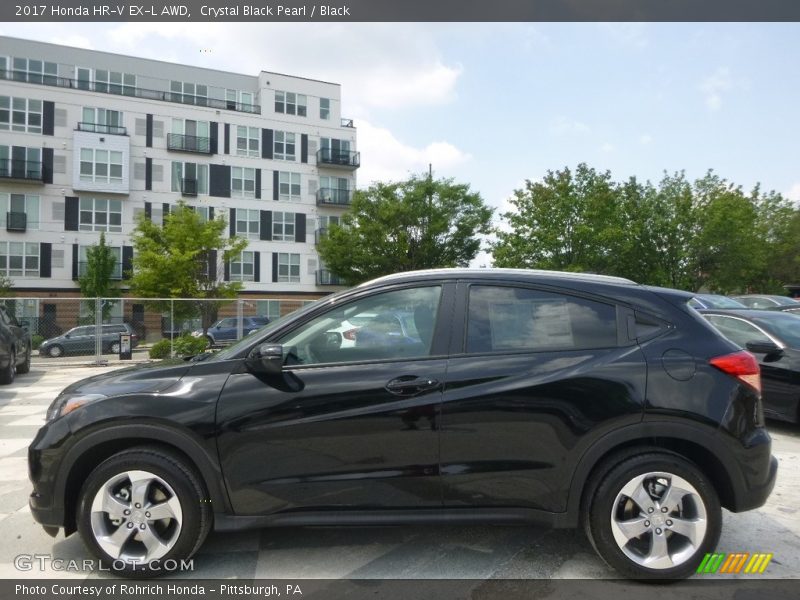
739	312
497	273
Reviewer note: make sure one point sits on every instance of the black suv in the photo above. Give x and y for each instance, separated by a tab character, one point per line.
512	396
15	347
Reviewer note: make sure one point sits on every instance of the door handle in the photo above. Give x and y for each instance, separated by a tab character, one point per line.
410	385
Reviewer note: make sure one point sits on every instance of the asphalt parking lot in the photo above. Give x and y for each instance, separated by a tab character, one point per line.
425	552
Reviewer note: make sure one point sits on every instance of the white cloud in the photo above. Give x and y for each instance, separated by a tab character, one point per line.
646	139
794	193
389	159
715	85
562	125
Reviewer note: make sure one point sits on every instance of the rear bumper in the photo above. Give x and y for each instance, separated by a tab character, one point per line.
755	471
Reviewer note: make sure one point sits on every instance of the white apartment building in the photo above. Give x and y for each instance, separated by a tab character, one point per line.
89	140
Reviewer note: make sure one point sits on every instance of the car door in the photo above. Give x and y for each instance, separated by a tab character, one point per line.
533	376
80	340
225	330
343	426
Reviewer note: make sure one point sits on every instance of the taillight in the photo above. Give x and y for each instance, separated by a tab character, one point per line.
350	334
741	365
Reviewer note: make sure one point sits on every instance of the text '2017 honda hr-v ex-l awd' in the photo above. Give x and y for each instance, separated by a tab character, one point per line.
510	396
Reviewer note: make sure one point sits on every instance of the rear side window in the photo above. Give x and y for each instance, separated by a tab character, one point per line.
736	330
514	319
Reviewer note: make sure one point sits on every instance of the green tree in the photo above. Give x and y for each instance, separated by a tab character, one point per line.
5	286
96	280
184	258
415	224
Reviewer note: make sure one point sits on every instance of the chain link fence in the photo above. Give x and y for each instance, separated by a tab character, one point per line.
87	330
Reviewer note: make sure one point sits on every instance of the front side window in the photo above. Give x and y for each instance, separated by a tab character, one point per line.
243	182
242	270
101	166
189	178
396	325
20	211
508	319
288	268
283	226
100	214
19	259
284	146
288	186
20	114
247	141
248	223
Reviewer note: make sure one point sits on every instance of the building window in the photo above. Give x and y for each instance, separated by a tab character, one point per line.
284	146
189	178
19	259
244	268
325	108
101	166
288	268
288	186
100	214
20	114
189	93
269	308
236	99
101	120
248	223
203	211
24	166
283	226
247	141
243	182
290	103
326	221
35	71
83	261
14	205
114	82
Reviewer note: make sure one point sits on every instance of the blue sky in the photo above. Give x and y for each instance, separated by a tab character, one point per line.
495	104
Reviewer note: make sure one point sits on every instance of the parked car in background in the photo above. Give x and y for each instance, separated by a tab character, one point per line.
81	340
522	397
225	330
762	301
774	337
714	301
15	347
787	308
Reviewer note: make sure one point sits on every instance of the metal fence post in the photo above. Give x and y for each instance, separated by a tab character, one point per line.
171	327
98	330
239	319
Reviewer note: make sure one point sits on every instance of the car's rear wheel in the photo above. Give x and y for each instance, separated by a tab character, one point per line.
210	341
8	373
141	509
654	516
25	367
55	351
115	348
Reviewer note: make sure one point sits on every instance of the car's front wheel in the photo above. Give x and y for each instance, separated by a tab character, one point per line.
654	515
142	509
25	367
7	374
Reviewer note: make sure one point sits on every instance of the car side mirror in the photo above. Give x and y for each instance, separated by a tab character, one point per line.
266	359
768	348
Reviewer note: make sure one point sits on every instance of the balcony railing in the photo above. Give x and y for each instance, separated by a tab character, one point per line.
83	267
128	90
98	128
16	221
188	143
347	123
346	159
334	197
22	170
189	187
325	277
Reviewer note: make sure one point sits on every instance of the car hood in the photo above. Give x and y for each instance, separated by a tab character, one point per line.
151	377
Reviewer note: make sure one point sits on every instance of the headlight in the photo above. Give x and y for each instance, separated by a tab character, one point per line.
65	404
197	333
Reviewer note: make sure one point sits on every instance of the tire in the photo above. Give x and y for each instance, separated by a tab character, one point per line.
163	481
25	367
631	530
55	351
8	373
210	341
114	348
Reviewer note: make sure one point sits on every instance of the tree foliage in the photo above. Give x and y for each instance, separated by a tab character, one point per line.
5	285
96	281
184	258
415	224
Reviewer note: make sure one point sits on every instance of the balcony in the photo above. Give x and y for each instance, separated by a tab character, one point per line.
16	221
188	143
116	274
340	159
128	90
189	187
25	171
98	128
325	277
334	197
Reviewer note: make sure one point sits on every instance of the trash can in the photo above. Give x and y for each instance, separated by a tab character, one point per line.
125	346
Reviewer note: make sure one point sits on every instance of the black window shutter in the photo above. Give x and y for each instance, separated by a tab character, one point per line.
275	185
214	135
227	272
71	213
75	261
45	259
212	265
149	132
165	211
266	225
48	117
258	184
266	143
210	213
275	267
256	266
127	261
148	173
148	211
227	142
47	165
304	147
233	222
219	181
300	227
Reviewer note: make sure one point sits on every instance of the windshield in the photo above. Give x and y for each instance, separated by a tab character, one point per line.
783	326
717	301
